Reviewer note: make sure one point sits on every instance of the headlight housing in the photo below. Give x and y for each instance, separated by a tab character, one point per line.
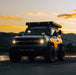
14	41
41	41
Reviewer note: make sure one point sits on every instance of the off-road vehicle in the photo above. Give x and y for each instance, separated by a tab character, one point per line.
39	39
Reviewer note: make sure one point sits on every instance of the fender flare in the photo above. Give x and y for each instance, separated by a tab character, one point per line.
50	43
60	46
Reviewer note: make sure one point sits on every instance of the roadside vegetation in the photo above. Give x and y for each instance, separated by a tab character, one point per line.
70	49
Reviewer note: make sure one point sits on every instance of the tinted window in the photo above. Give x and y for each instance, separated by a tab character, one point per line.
53	30
37	31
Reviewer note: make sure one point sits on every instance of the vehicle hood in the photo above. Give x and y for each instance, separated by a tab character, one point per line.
29	36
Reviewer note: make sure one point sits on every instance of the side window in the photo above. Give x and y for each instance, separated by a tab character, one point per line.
52	31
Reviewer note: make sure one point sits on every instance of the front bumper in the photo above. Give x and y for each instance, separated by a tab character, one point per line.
28	50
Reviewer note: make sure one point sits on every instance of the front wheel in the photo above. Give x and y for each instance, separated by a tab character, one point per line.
50	56
14	56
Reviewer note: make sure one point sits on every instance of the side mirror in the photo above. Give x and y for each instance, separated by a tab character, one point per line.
60	32
55	34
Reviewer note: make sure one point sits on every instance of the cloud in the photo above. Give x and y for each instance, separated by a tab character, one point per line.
61	23
16	29
40	14
67	16
4	17
74	10
6	26
69	30
64	15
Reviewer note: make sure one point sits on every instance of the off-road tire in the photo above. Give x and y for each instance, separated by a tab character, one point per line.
50	54
14	56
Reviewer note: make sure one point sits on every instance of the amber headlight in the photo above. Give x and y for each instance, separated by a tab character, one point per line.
42	41
14	41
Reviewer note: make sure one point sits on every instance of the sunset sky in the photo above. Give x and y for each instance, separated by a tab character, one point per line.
15	13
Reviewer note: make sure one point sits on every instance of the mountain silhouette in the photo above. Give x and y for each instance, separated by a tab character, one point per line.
6	38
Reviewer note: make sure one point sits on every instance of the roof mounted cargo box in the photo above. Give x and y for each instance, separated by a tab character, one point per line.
45	24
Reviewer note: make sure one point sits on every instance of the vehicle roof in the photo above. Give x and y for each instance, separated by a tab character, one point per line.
43	24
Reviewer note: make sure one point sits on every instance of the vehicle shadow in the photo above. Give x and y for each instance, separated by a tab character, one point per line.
67	60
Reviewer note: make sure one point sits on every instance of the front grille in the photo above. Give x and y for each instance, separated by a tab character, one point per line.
27	41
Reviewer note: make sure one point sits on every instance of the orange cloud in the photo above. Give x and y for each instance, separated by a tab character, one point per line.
67	16
69	30
64	15
40	14
61	23
74	10
3	17
16	29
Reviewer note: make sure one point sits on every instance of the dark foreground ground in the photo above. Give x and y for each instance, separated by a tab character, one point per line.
39	67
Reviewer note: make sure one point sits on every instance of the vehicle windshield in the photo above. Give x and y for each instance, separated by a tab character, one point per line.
37	31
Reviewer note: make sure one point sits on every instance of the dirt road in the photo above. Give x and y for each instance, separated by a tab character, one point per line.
39	67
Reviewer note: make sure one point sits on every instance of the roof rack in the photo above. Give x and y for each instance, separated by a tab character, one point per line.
45	24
